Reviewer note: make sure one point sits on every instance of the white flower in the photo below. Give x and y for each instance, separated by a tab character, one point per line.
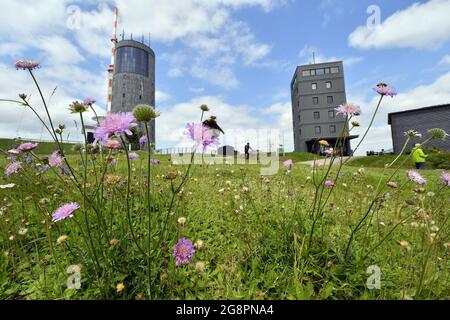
182	221
7	186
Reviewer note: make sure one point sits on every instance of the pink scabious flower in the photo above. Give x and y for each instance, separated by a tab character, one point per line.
143	140
55	160
26	64
329	184
113	144
445	176
28	146
89	101
392	184
154	162
114	125
288	164
133	155
385	90
201	134
414	176
113	162
349	110
183	251
65	211
13	167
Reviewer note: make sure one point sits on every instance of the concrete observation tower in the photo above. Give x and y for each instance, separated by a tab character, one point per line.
133	80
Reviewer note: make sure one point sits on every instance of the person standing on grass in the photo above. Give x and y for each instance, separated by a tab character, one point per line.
419	157
247	150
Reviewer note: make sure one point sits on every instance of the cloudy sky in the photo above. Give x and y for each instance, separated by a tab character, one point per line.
237	56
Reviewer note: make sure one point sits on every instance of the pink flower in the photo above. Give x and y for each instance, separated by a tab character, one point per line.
154	162
445	176
13	167
64	212
201	134
385	90
414	176
55	160
329	152
28	146
113	162
288	164
329	184
89	101
392	184
114	125
183	251
143	140
349	110
133	155
113	144
27	64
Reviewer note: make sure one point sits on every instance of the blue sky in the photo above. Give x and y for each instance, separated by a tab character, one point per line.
238	56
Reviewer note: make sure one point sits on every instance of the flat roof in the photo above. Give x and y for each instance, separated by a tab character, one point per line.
416	110
312	66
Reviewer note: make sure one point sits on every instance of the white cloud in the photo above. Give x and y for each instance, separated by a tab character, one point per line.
445	60
222	76
17	120
58	50
422	25
435	93
197	90
252	125
161	96
175	72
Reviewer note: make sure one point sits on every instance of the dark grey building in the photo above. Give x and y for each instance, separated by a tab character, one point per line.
134	78
316	90
420	120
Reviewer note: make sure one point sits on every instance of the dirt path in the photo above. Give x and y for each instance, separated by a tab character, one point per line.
325	162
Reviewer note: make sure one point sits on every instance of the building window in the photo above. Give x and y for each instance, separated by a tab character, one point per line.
313	72
298	103
332	129
140	97
315	100
306	73
132	60
318	130
330	99
299	132
314	86
316	115
335	70
123	95
320	72
327	70
331	114
328	85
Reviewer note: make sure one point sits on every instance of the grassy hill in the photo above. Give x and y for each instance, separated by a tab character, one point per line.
299	156
381	161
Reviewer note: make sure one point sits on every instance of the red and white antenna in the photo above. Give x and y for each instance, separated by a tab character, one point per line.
113	59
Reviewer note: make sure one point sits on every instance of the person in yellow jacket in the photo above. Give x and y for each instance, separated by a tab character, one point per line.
419	157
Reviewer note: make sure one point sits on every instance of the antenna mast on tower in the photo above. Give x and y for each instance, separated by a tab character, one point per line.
113	59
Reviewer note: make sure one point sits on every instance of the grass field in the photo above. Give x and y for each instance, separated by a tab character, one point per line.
261	237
